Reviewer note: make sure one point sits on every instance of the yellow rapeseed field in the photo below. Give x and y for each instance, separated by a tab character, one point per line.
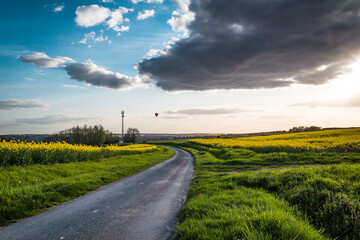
23	153
337	140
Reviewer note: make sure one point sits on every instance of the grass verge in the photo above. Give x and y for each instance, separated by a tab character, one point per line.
309	195
28	190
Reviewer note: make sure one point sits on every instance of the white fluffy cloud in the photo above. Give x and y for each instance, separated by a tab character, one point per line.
91	38
182	17
88	16
123	28
42	60
101	38
87	37
145	14
183	5
154	53
147	1
158	52
117	18
179	22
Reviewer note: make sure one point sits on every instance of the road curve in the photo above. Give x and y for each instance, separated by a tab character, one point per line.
142	206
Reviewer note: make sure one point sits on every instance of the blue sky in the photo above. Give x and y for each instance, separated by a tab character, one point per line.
203	66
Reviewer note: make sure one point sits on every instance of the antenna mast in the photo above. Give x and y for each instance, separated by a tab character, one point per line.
122	129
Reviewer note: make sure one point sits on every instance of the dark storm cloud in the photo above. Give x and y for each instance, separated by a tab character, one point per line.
353	101
97	76
20	104
216	111
259	44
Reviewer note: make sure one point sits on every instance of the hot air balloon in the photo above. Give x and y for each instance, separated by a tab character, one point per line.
156	114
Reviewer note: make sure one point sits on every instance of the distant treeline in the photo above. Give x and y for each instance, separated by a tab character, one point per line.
88	135
304	129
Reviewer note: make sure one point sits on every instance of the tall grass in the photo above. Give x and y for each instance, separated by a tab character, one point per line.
328	195
228	212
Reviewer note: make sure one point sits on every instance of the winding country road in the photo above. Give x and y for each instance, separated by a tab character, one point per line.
142	206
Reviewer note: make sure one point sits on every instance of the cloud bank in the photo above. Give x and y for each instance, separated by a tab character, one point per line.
353	101
217	111
258	44
98	76
12	104
84	72
42	60
50	119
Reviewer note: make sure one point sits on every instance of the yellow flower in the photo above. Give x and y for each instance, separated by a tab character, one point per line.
342	139
20	153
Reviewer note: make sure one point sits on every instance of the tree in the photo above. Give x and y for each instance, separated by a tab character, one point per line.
88	135
304	129
132	135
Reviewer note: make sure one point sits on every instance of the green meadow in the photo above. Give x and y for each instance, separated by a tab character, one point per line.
238	193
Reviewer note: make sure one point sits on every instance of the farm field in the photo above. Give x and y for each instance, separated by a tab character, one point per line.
289	186
24	153
34	181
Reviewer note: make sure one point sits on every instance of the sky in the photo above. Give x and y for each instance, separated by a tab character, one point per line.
205	66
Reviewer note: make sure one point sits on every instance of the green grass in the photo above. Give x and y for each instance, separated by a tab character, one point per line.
28	190
225	211
328	195
241	194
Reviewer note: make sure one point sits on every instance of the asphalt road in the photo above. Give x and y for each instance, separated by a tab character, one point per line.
142	206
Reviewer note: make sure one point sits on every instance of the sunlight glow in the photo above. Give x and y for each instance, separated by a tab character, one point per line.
347	85
322	68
